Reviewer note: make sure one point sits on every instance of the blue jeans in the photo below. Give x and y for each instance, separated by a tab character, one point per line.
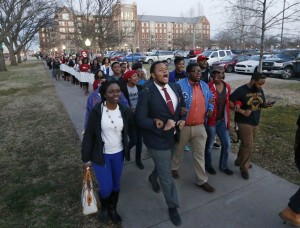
109	175
223	134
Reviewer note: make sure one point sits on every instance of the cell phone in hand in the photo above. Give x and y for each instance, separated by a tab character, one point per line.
271	102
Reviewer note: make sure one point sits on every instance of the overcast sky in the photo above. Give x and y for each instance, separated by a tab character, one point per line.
214	10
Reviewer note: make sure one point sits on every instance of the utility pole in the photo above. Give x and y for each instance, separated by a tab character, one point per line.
281	38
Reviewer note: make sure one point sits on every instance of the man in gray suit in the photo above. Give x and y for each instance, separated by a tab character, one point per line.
160	116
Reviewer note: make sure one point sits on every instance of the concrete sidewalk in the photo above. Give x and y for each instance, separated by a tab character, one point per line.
235	203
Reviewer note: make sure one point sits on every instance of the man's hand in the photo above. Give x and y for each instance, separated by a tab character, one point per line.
169	125
181	124
209	113
183	111
158	123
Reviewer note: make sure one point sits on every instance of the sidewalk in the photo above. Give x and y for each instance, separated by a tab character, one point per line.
235	203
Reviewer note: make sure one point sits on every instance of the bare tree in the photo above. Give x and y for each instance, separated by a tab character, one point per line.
267	16
93	19
20	21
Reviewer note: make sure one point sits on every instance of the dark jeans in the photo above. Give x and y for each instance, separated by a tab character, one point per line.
136	139
294	203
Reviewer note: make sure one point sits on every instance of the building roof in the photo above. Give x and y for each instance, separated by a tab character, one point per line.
165	19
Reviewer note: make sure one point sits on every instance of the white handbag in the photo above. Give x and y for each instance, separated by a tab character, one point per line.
88	199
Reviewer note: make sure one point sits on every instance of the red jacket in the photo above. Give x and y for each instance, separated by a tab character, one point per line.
212	120
85	67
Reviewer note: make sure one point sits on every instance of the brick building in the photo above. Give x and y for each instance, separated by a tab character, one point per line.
128	31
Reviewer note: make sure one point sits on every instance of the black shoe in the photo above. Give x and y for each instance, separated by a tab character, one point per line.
206	187
154	183
112	208
216	146
211	170
103	213
245	175
227	171
174	216
139	164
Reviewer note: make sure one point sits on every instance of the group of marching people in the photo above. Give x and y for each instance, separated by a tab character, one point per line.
167	112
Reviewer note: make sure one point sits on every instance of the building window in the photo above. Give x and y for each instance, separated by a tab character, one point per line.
62	29
143	30
65	16
165	30
71	23
147	36
143	36
147	30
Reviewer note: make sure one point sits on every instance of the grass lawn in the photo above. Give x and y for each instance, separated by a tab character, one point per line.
40	166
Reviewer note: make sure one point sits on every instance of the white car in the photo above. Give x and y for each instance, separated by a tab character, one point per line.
250	66
212	55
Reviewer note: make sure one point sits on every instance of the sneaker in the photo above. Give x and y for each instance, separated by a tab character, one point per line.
216	146
186	148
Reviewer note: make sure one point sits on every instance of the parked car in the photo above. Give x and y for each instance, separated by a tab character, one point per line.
183	54
296	65
213	56
158	56
117	55
280	64
136	57
194	52
229	62
250	66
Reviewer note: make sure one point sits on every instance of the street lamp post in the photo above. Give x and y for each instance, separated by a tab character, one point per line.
88	44
64	49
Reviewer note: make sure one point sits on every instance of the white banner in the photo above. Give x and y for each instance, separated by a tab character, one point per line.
81	76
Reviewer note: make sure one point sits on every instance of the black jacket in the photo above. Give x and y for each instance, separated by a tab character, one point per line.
92	144
125	91
151	105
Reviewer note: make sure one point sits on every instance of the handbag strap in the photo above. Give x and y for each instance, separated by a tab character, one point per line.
87	179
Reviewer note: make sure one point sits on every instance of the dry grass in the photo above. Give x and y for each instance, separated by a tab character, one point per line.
40	167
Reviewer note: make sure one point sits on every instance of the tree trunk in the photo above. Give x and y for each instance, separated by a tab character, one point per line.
2	61
12	58
19	57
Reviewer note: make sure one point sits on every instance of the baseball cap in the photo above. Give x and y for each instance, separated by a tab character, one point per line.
201	57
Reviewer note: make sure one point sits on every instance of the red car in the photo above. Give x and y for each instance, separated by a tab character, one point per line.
229	62
194	53
117	56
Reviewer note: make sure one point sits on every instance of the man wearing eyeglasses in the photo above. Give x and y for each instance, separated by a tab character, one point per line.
199	105
247	100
